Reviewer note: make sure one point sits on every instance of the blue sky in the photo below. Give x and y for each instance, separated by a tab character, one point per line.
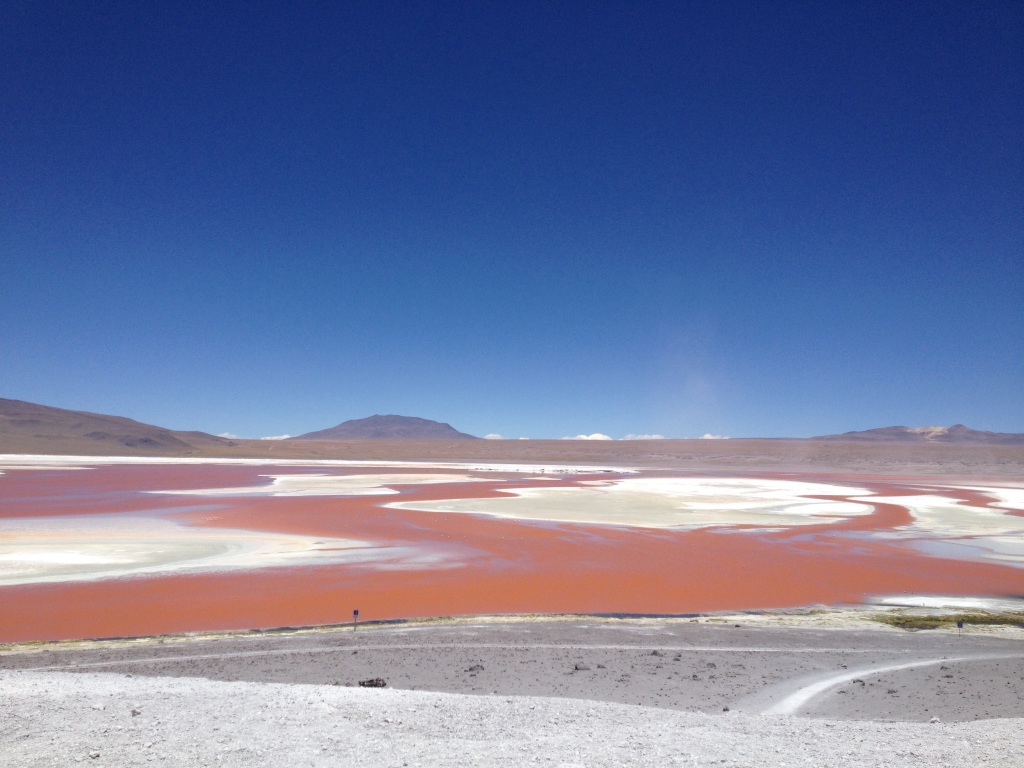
745	218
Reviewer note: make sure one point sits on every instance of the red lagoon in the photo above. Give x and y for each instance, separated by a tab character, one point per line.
506	566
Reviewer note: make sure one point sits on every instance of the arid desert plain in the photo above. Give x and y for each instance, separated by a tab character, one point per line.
669	603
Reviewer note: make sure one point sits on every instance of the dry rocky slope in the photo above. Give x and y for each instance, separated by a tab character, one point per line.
52	719
32	428
547	693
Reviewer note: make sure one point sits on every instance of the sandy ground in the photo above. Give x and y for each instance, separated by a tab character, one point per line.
579	691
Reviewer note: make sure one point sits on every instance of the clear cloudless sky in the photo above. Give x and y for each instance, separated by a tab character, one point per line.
533	218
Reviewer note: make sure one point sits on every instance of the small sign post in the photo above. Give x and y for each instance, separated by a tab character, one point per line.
355	619
959	628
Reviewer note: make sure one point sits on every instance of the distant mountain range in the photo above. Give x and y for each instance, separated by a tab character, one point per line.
388	427
31	428
958	433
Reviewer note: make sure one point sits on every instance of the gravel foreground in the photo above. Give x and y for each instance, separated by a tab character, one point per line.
580	691
57	718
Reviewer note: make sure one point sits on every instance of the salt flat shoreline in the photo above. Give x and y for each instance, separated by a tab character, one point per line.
737	454
824	618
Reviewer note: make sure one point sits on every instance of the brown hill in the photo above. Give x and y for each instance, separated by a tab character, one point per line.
388	427
32	428
958	433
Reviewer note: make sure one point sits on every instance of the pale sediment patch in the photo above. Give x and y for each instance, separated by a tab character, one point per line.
1002	550
951	602
329	485
46	550
1009	498
47	462
943	514
672	502
38	467
944	526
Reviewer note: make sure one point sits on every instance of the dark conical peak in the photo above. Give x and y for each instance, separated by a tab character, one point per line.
388	427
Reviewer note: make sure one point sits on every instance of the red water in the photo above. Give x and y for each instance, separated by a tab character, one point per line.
507	566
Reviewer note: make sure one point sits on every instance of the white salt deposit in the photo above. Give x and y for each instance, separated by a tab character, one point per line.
667	502
945	527
59	549
30	461
329	485
950	602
